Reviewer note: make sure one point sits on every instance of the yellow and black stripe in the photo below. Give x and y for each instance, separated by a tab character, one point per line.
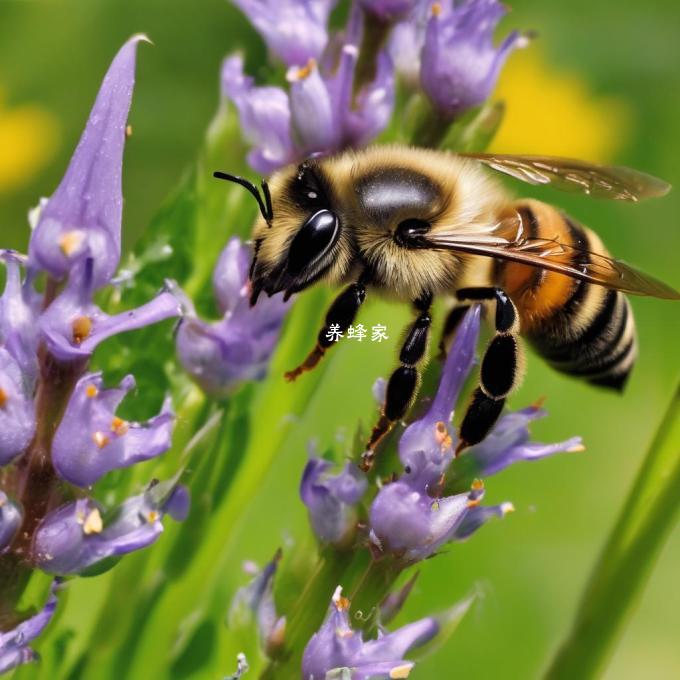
582	329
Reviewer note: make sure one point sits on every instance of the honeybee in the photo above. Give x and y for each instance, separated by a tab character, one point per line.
414	223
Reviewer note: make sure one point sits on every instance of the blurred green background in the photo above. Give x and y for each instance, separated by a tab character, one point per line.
615	66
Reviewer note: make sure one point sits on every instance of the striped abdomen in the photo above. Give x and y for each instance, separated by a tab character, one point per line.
581	328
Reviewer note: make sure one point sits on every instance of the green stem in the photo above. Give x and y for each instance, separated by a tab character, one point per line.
375	36
36	482
430	127
371	590
627	559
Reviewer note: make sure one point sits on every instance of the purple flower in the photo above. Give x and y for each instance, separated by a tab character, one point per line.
331	499
73	326
264	113
320	114
460	65
336	647
508	443
14	649
91	440
83	216
389	10
409	523
17	412
409	517
256	602
77	536
294	30
10	521
220	355
19	309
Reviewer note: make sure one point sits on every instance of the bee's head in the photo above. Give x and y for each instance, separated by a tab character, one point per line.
298	238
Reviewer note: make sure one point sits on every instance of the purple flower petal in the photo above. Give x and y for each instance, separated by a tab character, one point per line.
294	30
17	411
83	216
14	649
230	276
313	117
341	82
91	440
178	503
373	105
264	113
478	516
336	647
396	644
19	310
460	65
10	521
330	499
79	535
406	43
73	326
508	443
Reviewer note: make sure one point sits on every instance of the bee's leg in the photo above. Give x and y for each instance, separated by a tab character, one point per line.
501	367
341	315
453	319
404	382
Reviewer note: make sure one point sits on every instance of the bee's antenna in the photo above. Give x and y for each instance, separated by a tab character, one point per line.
268	201
266	209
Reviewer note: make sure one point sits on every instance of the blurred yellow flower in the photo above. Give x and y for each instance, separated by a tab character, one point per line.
554	112
28	140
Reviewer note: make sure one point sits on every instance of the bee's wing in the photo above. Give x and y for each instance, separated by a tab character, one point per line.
506	241
601	181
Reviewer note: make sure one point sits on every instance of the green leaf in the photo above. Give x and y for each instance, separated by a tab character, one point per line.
647	517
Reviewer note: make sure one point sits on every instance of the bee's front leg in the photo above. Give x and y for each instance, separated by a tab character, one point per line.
403	385
340	316
501	369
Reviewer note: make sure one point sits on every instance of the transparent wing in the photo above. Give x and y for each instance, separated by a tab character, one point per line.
615	182
507	241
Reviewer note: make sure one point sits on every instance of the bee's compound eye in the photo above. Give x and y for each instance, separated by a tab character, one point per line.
313	240
408	232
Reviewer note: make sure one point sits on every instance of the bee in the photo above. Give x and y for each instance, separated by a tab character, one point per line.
414	224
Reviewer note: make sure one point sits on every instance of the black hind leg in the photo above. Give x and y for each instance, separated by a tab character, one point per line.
501	367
